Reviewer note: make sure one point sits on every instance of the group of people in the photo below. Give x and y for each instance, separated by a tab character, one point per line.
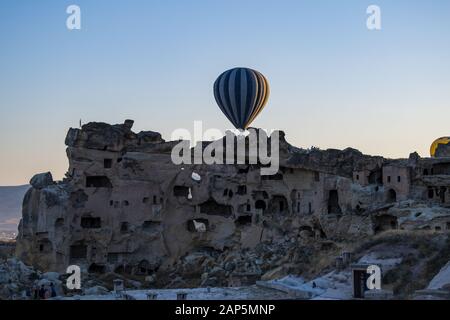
43	292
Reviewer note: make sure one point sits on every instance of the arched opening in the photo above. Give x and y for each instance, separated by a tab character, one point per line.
260	204
278	204
391	196
442	191
430	193
333	202
143	267
385	222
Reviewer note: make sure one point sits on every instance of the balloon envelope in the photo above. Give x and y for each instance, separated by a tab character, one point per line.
241	94
440	147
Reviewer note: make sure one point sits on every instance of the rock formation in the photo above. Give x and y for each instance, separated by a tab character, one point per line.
125	207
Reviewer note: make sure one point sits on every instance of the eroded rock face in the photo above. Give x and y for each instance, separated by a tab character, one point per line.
42	180
126	207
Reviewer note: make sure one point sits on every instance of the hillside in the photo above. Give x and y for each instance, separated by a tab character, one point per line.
11	206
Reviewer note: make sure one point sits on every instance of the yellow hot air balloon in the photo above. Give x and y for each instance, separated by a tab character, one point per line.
444	141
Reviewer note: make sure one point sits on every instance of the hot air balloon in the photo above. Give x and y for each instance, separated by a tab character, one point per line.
241	94
440	147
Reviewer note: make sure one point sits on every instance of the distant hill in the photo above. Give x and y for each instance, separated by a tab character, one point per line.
11	206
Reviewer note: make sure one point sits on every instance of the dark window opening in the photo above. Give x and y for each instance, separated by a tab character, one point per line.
126	203
360	283
244	170
306	232
90	223
309	208
437	228
260	204
442	191
107	163
425	172
399	179
391	196
151	226
376	177
333	202
430	193
278	204
98	182
242	190
180	191
96	268
191	225
145	200
111	203
119	160
59	223
144	267
388	179
448	225
225	192
78	251
357	177
230	193
248	207
278	176
124	227
384	223
243	221
211	207
154	200
317	176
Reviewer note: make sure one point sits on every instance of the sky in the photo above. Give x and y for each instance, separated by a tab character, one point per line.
334	83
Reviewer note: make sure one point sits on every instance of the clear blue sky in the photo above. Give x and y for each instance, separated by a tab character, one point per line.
334	83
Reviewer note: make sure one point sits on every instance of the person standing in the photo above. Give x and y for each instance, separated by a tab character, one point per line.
42	292
52	290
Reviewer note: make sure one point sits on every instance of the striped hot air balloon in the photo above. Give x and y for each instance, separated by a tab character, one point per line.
241	94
